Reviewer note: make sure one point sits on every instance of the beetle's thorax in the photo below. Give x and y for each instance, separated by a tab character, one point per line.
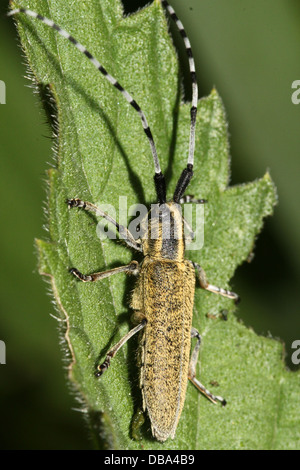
164	232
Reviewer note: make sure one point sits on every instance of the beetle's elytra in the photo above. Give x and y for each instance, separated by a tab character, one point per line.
163	297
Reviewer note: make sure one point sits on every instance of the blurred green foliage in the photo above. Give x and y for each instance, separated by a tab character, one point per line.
248	49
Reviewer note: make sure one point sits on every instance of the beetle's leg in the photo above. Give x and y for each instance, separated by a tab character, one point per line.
131	268
189	237
125	234
113	351
194	356
189	198
217	290
192	371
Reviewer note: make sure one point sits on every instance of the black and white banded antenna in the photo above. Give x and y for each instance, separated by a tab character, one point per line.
187	173
159	177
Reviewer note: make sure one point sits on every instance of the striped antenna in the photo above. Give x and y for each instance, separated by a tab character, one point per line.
187	173
193	77
158	175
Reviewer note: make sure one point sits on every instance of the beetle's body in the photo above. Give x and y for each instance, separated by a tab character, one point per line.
166	291
164	295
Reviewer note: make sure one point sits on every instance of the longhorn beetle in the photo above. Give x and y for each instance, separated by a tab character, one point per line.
163	297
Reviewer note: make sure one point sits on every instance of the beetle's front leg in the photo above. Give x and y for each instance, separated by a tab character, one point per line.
125	234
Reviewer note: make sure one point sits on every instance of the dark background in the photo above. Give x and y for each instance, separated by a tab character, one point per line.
249	50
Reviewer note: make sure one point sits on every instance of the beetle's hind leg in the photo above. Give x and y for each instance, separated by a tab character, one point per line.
131	268
113	351
192	371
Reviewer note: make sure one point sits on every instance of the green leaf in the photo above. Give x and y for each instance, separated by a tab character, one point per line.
101	154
